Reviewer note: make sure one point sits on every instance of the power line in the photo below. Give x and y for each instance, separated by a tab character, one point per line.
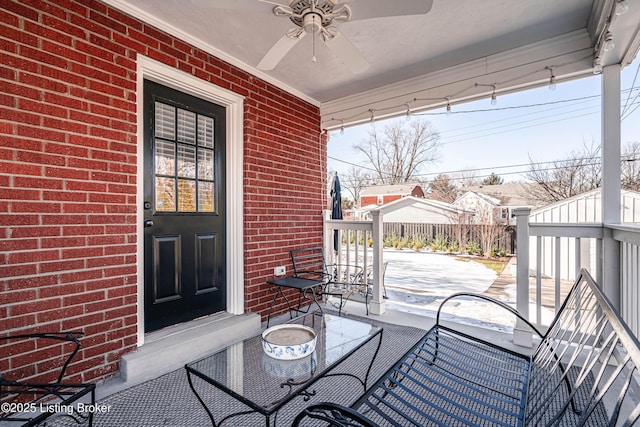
494	168
637	104
514	107
518	128
624	109
527	114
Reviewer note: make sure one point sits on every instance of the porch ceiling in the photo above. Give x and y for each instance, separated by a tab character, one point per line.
460	50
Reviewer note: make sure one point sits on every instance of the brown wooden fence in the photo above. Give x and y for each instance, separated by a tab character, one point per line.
506	240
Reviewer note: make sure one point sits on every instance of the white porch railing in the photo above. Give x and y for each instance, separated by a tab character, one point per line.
551	254
629	238
359	243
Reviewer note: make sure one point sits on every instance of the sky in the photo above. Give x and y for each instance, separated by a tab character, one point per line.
539	125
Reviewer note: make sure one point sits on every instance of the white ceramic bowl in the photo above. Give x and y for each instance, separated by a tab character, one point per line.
298	368
289	341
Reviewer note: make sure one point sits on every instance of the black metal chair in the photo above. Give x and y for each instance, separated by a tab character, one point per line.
29	403
338	280
369	276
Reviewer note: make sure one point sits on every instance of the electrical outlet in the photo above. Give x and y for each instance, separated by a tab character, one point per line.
280	271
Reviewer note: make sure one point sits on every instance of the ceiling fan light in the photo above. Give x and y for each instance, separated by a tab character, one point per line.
312	23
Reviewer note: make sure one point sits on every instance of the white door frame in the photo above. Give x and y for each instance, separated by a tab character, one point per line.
168	76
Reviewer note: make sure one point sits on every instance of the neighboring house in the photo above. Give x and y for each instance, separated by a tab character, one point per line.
378	195
416	211
496	201
584	208
486	209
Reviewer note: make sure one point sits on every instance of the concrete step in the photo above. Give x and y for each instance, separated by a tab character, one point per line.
171	348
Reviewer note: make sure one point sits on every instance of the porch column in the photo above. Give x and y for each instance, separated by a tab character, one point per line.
611	181
376	305
522	335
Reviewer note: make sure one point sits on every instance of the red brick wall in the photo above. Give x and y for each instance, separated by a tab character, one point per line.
373	200
68	173
390	198
368	200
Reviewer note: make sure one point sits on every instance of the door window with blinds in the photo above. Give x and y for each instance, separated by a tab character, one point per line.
184	161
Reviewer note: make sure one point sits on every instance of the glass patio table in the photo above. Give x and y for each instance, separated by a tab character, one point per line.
265	384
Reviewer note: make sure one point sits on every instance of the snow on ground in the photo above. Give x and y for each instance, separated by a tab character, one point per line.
417	282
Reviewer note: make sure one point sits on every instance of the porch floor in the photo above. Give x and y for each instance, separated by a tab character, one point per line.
168	401
164	398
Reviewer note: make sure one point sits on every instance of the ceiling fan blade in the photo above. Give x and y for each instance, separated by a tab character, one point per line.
345	50
249	5
275	3
279	50
368	9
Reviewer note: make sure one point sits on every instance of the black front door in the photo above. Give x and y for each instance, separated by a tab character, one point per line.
184	207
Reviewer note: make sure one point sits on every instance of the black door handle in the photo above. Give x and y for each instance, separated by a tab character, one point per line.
148	223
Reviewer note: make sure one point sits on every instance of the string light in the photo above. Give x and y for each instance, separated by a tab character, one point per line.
597	65
342	128
552	79
622	7
608	42
597	69
494	98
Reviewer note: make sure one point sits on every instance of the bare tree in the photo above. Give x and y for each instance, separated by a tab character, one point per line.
561	179
461	226
398	153
581	171
466	178
629	169
490	226
355	180
442	189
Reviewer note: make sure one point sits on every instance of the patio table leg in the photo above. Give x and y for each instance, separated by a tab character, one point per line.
204	405
209	413
275	298
366	377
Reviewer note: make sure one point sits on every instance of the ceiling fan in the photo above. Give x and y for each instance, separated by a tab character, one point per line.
317	17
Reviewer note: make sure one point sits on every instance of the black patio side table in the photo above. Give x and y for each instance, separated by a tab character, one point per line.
265	385
303	285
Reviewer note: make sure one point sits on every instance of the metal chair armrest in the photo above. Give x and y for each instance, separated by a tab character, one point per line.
71	336
345	273
491	300
334	414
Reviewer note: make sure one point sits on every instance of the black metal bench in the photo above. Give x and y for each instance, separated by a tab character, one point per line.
30	403
583	372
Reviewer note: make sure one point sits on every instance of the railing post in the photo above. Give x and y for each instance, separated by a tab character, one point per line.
522	335
376	305
327	237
